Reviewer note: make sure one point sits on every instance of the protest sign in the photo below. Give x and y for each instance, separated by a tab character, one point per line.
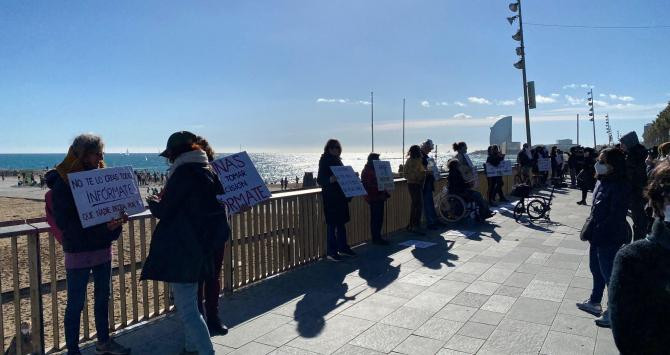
242	185
543	164
384	175
101	195
349	182
503	169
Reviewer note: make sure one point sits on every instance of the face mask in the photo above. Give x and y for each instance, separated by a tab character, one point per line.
667	213
601	169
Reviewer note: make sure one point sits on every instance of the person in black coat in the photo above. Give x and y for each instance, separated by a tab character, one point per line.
192	222
607	229
525	160
335	204
586	178
495	183
639	291
636	155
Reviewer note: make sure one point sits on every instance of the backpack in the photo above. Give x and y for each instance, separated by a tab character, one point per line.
51	219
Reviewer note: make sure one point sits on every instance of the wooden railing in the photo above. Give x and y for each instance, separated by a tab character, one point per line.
283	233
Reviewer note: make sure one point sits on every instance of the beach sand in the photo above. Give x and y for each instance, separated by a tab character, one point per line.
20	208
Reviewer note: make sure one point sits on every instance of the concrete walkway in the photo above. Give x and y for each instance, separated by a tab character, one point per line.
505	288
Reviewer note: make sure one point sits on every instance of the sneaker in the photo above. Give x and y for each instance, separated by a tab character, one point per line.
590	307
380	242
216	328
583	203
336	258
348	252
111	348
604	320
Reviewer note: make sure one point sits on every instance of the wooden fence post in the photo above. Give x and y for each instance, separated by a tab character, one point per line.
228	266
35	275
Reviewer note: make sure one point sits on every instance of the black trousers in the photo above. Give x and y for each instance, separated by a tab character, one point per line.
638	215
495	188
376	219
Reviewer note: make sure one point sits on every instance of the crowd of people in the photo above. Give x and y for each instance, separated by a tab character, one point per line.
637	273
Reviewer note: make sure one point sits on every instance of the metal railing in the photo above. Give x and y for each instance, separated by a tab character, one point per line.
280	234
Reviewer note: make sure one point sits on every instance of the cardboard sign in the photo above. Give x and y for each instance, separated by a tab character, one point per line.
543	164
101	195
503	169
349	182
242	185
384	175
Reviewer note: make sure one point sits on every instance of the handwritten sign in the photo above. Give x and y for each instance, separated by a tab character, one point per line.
101	195
349	182
384	175
503	169
242	185
543	164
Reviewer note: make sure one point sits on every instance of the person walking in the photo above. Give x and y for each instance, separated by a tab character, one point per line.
638	291
636	154
415	174
606	229
193	222
375	199
87	250
495	183
335	203
586	178
429	185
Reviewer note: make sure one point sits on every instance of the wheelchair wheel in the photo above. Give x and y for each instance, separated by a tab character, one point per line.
451	208
519	210
536	209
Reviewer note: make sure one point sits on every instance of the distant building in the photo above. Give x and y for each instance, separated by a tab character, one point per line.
501	133
562	144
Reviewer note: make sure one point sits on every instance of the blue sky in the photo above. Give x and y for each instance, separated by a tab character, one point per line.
285	76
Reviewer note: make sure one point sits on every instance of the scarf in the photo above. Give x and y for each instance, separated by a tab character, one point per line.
72	164
194	156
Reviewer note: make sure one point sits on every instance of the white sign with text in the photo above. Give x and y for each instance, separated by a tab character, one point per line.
543	164
349	182
384	175
242	184
503	169
102	195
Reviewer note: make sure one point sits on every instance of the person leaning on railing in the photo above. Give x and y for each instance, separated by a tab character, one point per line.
86	249
375	199
415	174
192	227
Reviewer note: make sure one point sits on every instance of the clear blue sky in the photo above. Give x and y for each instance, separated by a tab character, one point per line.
287	75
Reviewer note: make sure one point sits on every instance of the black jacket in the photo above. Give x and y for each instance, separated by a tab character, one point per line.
495	159
608	213
636	168
523	159
639	294
586	179
429	183
335	204
75	237
455	182
192	227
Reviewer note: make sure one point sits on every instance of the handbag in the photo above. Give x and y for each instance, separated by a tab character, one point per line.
587	229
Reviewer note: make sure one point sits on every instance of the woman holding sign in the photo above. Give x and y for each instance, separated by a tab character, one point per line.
375	199
192	222
87	250
415	174
335	203
495	182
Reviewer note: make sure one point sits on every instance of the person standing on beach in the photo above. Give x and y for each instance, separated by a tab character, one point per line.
335	203
193	222
87	250
375	199
415	174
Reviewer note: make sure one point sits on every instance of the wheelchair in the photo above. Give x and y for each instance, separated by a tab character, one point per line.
452	208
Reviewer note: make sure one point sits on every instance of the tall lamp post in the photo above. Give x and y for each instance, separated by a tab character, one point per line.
403	131
521	64
372	119
592	116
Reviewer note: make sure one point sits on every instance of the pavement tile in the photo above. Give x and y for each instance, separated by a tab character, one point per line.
402	290
605	343
279	336
545	290
582	282
438	328
254	349
559	278
245	333
575	325
474	268
419	346
338	331
495	274
476	330
381	337
445	351
469	299
487	317
498	303
568	344
456	312
448	287
407	317
534	310
462	277
428	301
577	293
349	349
417	278
483	287
515	337
375	307
287	350
510	291
464	344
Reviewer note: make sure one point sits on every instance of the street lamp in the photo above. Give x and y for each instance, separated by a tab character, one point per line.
521	64
592	116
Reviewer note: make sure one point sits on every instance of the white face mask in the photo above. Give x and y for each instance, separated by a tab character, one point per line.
601	169
666	212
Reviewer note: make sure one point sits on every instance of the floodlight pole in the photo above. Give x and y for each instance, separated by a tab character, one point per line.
403	130
372	118
525	82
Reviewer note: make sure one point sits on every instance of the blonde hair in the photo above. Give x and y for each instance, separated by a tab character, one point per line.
86	143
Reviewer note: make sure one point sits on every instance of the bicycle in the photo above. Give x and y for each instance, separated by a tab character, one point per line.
537	207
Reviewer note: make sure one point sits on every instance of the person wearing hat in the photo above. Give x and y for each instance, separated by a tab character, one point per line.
636	168
375	199
429	185
192	221
87	250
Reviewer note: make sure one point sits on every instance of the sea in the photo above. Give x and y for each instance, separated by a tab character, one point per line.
271	166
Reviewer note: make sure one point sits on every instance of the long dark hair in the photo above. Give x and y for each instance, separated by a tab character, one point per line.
198	143
414	152
332	143
616	158
458	146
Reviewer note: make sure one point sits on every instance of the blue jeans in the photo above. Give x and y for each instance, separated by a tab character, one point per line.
429	207
337	239
77	279
601	262
196	334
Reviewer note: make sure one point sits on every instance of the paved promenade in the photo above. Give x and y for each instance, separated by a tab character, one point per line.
504	288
